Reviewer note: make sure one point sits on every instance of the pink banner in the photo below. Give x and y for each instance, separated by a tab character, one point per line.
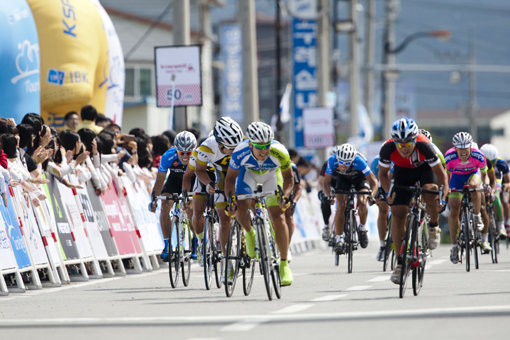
121	224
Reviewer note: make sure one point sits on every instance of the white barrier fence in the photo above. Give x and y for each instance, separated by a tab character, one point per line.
76	235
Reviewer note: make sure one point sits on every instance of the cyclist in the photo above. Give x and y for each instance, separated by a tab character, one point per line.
414	160
215	151
466	165
174	160
502	174
325	201
294	197
353	170
262	160
384	209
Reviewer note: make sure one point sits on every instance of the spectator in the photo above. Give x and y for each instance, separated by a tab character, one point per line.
71	121
160	144
88	119
171	136
102	120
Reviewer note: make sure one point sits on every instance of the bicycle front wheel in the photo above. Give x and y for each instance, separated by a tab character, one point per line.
174	256
350	230
275	270
406	255
232	258
420	253
248	265
493	235
264	257
387	247
186	253
467	239
207	255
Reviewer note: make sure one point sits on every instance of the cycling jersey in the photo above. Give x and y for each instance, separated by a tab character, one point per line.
475	162
243	158
501	168
423	153
209	152
358	166
170	161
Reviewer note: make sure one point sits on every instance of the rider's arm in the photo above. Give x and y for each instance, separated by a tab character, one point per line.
230	181
160	180
327	185
201	172
374	183
384	178
288	182
186	179
442	179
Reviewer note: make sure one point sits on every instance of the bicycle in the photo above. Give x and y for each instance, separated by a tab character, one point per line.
211	247
414	250
350	229
236	258
469	238
179	242
266	248
388	248
493	228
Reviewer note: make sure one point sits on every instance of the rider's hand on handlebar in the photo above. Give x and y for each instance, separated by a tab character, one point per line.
153	205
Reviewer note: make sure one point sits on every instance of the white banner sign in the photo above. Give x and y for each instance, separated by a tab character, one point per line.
319	128
178	75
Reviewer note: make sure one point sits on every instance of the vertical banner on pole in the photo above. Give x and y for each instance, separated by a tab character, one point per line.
102	221
7	259
65	234
14	232
232	74
304	79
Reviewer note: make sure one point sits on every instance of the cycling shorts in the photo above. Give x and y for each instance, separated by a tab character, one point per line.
407	177
458	181
247	180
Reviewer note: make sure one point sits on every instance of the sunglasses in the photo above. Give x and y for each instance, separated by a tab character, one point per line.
405	145
343	163
184	153
226	147
261	146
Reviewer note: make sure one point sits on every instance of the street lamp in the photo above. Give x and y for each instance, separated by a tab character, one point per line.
389	76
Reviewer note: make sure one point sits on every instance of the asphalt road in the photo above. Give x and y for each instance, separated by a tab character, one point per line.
324	302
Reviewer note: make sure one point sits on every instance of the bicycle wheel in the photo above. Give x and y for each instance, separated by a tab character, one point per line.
232	258
217	258
186	253
264	257
174	258
420	246
275	266
248	265
476	246
406	255
493	235
467	239
350	230
387	247
207	255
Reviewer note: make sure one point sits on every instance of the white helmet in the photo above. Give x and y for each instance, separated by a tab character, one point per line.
228	132
346	152
490	151
185	141
404	130
462	140
426	134
260	133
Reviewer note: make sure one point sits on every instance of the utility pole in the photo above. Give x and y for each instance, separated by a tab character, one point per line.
207	116
246	13
278	93
388	86
323	61
473	105
181	37
369	57
354	72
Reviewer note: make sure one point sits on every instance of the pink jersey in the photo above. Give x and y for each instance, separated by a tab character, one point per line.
456	166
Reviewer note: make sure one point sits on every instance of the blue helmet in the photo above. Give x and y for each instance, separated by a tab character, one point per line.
404	130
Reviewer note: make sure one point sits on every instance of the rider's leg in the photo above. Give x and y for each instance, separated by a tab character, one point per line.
280	229
224	226
382	219
340	214
453	218
198	215
398	215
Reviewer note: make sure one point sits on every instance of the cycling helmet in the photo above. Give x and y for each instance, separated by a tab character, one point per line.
462	140
426	134
346	152
404	130
260	133
185	141
227	132
490	151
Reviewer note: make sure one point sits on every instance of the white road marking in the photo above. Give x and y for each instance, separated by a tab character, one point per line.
357	288
380	278
242	326
293	308
329	298
256	319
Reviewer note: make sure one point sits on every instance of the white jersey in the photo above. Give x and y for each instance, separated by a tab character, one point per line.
209	153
